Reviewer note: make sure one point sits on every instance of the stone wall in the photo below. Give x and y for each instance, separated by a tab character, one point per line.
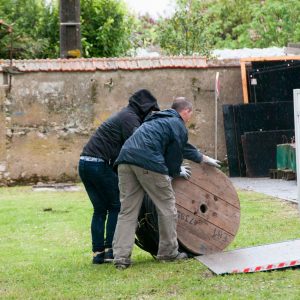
47	117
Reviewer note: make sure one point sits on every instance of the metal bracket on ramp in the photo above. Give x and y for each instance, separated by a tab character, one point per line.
255	259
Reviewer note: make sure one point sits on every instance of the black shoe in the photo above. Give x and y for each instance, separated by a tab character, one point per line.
121	266
98	257
179	256
108	255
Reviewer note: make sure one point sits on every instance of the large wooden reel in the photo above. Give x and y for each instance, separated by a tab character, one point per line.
208	210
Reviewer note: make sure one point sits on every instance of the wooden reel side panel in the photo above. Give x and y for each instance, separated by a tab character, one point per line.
208	210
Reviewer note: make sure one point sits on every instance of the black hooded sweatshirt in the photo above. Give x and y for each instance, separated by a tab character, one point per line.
110	136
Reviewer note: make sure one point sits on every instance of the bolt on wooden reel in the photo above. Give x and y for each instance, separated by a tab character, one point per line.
208	213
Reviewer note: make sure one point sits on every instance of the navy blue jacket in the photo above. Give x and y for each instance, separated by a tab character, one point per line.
159	144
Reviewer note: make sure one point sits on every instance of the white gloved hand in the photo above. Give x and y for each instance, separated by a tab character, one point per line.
211	161
185	171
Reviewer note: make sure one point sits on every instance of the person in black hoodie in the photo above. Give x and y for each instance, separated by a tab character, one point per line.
97	173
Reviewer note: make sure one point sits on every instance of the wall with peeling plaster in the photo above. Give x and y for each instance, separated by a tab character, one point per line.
47	117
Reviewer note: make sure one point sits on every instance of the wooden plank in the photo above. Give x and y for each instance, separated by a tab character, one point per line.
199	236
213	181
282	174
271	58
244	82
209	207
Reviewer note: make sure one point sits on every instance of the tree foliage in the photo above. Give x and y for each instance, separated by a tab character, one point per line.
199	25
33	28
105	28
108	29
183	33
144	32
253	23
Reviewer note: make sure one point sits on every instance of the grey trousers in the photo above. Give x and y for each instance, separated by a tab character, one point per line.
133	183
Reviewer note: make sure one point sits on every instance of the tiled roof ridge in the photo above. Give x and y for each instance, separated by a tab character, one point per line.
115	63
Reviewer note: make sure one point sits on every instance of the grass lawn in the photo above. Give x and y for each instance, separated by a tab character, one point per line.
45	254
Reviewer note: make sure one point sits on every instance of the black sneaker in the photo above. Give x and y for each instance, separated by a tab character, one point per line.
108	255
121	266
179	256
98	257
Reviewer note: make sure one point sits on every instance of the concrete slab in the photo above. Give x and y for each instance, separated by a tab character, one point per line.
279	188
56	187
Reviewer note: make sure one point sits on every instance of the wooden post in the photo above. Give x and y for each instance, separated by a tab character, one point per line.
244	82
297	139
217	94
70	37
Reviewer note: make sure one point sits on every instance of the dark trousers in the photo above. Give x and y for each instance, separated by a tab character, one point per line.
101	184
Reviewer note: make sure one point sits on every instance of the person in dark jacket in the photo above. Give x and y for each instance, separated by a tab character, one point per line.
97	173
147	160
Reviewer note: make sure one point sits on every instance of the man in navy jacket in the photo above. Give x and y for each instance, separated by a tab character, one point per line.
147	160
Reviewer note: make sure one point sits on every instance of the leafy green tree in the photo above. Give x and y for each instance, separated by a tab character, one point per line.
183	33
144	32
24	17
253	23
105	28
199	25
49	30
275	23
227	22
108	29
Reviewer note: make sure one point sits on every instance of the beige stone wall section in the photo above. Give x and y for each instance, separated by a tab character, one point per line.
3	163
52	114
44	157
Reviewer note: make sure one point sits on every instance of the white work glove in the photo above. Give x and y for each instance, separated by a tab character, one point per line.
211	161
185	171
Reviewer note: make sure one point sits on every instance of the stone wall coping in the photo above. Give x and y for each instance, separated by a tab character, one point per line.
113	64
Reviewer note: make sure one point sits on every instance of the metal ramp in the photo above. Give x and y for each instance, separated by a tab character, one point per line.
255	259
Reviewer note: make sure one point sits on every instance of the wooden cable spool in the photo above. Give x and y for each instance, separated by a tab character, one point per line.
208	213
208	210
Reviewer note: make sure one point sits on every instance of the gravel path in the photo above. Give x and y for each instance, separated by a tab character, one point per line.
283	189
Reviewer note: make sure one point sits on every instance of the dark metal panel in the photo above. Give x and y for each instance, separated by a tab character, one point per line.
259	150
231	141
273	81
242	118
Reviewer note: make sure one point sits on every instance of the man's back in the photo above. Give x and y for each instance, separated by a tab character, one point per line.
162	135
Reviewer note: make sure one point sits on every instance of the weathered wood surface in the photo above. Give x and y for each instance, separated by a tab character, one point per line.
208	210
